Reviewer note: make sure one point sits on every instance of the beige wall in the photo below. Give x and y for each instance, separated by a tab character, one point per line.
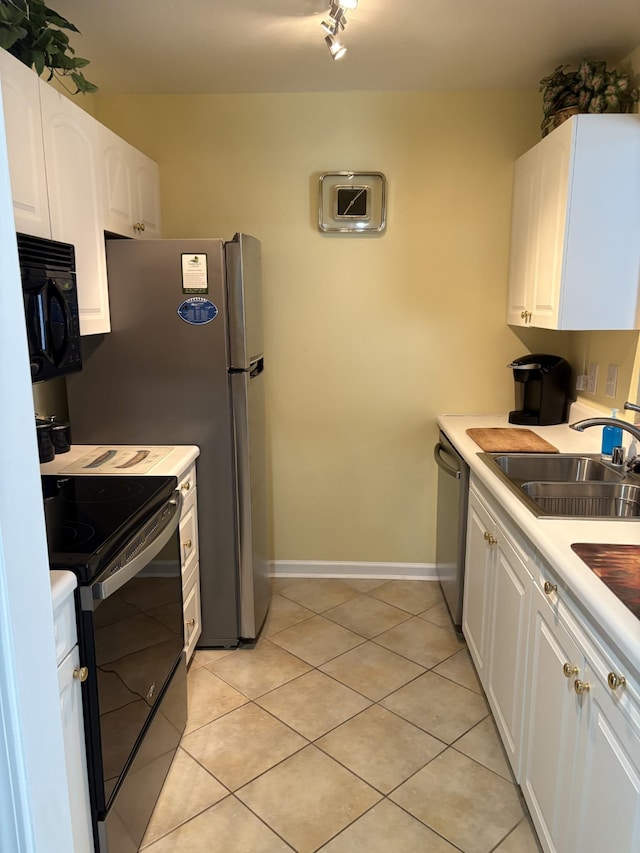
368	338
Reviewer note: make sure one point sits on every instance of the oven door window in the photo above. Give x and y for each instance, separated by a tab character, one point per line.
138	637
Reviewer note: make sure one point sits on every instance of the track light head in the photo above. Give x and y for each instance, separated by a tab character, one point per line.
336	49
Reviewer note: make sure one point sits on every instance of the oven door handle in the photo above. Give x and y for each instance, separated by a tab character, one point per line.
103	589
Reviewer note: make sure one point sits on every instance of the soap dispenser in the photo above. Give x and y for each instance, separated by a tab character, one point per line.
611	437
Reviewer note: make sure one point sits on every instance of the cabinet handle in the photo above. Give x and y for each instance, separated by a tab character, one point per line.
581	686
523	315
489	538
614	680
569	670
81	674
187	544
550	587
186	486
190	623
138	226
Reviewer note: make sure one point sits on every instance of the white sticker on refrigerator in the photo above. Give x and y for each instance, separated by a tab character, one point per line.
194	274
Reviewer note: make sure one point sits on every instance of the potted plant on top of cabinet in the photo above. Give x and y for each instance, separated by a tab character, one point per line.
589	89
33	33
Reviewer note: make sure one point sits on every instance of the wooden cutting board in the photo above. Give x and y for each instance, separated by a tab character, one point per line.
510	440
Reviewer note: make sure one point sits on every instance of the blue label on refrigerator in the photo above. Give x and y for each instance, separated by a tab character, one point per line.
197	310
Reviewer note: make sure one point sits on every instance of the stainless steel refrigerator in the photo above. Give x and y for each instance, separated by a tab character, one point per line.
184	364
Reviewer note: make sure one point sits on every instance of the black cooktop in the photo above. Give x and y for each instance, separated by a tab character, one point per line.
90	518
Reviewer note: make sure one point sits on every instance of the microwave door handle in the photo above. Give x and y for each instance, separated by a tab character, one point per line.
36	322
55	295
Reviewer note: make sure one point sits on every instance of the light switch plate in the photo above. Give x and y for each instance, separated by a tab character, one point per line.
612	380
592	385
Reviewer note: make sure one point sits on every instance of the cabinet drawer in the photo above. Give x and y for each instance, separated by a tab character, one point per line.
187	483
189	537
192	621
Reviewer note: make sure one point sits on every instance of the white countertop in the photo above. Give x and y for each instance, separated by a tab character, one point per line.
63	584
553	537
167	460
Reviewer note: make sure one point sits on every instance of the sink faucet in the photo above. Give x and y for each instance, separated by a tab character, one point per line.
634	430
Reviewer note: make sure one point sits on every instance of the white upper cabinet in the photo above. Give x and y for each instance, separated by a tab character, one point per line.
21	98
131	188
75	201
72	179
575	256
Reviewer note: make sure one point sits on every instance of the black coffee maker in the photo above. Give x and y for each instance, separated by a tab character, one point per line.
543	386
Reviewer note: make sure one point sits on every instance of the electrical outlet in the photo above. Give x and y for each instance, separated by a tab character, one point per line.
592	385
582	382
612	380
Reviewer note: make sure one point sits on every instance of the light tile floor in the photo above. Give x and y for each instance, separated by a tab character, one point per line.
355	725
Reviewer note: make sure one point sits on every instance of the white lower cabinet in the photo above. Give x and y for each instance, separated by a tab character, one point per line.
508	642
70	676
192	618
495	618
552	709
189	559
74	748
567	711
582	772
477	582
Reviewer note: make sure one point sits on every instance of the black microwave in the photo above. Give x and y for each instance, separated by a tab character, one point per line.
47	270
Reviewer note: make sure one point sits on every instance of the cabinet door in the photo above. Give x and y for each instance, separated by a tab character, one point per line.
192	612
75	201
75	754
522	262
477	583
116	183
21	100
508	645
551	226
131	188
606	809
551	723
146	187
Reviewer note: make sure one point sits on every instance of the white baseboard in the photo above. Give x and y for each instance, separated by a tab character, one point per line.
331	569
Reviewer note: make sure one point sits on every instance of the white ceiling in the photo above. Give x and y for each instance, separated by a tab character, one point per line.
199	46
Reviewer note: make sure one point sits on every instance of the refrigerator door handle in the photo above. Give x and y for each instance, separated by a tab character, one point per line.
256	368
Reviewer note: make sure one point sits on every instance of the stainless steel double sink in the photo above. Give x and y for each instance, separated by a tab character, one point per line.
564	485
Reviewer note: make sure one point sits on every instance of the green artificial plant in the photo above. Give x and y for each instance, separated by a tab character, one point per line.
34	34
590	89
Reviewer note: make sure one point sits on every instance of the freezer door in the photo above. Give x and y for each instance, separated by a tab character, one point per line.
244	300
247	390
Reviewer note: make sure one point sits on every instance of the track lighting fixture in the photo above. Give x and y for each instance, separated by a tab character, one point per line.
335	22
336	49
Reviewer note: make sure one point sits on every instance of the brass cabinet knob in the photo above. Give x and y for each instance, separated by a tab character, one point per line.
581	686
187	544
550	587
614	680
138	226
81	674
489	538
186	486
569	670
523	314
142	226
190	623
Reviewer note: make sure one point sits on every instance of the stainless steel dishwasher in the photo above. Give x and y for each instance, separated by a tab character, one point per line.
451	536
